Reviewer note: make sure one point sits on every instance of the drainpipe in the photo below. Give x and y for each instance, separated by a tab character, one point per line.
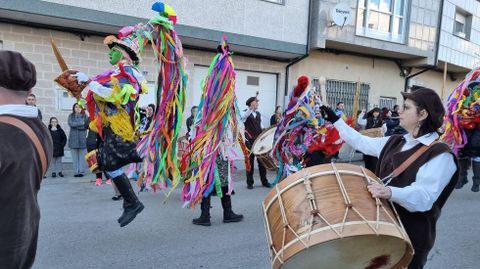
307	52
437	47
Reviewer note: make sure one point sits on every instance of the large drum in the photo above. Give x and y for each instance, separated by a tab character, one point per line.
373	132
323	217
262	147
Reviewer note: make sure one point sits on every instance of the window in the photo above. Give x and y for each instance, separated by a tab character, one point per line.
382	19
462	24
387	102
253	81
281	2
344	91
316	84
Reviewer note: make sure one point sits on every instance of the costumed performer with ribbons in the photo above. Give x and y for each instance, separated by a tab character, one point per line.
418	172
303	138
462	127
208	161
112	100
160	166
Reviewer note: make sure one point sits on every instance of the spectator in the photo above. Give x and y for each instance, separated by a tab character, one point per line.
77	138
340	110
32	101
190	119
59	141
22	162
373	121
361	120
397	129
384	113
146	117
275	118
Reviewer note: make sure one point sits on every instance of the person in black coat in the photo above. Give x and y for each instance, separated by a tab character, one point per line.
59	141
275	118
373	121
190	119
93	142
393	123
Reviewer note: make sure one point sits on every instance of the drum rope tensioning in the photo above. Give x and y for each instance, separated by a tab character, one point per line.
308	222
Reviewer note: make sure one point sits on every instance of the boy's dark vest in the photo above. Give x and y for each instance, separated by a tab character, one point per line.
253	126
420	226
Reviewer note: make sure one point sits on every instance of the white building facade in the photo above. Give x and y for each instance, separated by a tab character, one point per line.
386	45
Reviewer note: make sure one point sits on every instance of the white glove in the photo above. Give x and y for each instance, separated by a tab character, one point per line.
81	77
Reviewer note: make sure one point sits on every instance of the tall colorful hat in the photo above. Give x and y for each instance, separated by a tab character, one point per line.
128	42
132	39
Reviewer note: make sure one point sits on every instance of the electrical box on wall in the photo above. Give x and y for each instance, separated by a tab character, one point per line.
64	100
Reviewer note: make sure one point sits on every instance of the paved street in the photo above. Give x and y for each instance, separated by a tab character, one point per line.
79	230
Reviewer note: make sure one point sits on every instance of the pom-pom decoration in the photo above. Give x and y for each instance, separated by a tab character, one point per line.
302	130
462	111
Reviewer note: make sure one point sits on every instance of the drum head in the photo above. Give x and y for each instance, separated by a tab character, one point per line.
369	251
264	143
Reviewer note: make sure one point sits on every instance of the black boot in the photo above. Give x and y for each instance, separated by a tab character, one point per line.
476	176
204	218
464	165
228	214
131	205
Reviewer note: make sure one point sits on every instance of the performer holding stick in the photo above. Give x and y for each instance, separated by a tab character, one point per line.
421	190
113	96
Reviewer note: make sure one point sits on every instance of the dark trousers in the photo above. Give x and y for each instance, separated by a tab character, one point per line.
465	163
419	260
261	168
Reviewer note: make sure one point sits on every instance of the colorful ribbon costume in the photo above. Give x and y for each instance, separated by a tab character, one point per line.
302	130
463	111
160	167
214	132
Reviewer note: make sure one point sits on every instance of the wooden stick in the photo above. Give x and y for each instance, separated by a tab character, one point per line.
59	57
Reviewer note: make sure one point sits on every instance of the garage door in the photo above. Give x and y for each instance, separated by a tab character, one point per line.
247	84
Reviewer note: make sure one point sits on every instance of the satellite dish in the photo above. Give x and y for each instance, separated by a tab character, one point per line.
342	14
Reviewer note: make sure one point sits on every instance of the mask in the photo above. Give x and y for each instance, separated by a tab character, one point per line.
115	56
